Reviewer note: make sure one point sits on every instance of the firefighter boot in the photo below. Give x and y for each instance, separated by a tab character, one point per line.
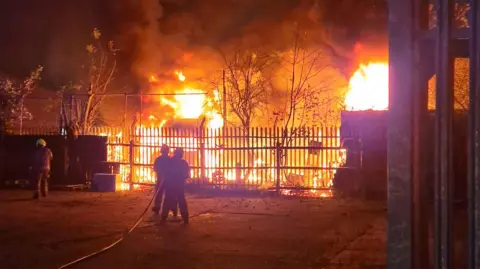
44	190
186	219
175	212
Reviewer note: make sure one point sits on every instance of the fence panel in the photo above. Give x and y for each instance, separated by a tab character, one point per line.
259	157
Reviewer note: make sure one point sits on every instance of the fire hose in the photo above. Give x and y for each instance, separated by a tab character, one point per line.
117	241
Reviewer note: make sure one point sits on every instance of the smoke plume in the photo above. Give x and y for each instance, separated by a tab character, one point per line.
172	35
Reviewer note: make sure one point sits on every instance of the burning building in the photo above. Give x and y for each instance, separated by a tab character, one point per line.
363	130
183	116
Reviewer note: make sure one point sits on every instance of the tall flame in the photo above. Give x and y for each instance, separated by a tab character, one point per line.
219	166
187	106
190	103
368	88
180	76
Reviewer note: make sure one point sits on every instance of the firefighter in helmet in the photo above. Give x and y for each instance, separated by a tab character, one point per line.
175	187
161	167
41	168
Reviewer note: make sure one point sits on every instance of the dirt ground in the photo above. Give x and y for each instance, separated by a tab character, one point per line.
225	232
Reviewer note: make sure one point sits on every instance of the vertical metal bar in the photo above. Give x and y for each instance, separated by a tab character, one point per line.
131	160
236	155
224	97
443	142
246	156
331	153
124	117
21	115
421	254
60	121
261	153
278	166
321	153
420	180
71	108
474	140
202	151
225	155
141	108
213	144
399	143
256	156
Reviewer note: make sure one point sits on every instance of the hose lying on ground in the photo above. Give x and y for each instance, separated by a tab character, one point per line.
114	243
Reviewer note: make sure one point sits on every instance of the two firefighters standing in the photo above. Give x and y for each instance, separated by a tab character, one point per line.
172	173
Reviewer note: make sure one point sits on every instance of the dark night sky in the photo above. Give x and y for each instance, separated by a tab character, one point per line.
50	33
54	32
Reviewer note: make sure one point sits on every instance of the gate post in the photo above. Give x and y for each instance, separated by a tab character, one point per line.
202	150
399	135
238	173
131	160
473	136
278	165
202	161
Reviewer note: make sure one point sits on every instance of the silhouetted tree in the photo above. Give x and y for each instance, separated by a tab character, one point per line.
82	100
12	97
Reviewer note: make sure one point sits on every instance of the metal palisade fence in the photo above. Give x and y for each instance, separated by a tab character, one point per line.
257	158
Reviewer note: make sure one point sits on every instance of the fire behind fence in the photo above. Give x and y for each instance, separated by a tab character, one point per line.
230	157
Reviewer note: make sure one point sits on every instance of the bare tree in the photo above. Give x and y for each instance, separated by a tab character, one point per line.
82	100
306	89
12	96
246	89
80	114
308	93
246	83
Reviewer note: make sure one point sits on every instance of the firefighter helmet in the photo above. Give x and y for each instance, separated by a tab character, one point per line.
178	152
164	149
41	142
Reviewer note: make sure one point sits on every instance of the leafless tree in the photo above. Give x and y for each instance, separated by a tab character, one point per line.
82	99
79	115
12	96
308	90
246	83
246	86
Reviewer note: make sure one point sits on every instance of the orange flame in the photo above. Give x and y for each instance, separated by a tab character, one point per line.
368	88
180	76
149	136
190	103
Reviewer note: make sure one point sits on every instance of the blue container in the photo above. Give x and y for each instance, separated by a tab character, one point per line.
106	182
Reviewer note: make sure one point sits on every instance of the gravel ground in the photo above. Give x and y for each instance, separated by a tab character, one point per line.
225	232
